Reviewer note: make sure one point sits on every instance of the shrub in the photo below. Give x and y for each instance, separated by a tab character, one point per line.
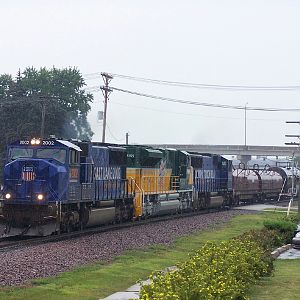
224	270
215	271
284	226
295	218
266	239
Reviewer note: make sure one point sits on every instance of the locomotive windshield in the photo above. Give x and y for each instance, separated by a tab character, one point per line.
53	153
15	153
46	153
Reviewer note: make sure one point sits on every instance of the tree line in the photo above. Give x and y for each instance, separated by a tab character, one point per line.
43	102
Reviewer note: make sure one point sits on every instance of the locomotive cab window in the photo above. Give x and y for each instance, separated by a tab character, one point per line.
74	157
15	153
52	153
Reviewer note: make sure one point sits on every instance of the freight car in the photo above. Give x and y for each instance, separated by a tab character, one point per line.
255	185
55	185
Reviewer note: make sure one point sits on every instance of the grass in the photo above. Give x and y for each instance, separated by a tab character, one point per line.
282	210
100	280
284	284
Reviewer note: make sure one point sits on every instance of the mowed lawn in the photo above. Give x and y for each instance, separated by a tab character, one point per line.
100	280
284	284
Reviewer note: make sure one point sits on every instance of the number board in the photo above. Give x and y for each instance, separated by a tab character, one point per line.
48	143
43	143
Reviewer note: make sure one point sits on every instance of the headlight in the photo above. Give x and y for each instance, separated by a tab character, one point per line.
35	141
7	196
40	197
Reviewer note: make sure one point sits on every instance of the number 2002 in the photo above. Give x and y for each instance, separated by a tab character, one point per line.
48	143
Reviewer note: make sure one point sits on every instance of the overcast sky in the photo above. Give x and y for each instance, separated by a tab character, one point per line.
253	43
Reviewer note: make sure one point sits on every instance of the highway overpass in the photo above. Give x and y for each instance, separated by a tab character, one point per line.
239	150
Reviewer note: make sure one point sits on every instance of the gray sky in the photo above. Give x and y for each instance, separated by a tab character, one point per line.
213	42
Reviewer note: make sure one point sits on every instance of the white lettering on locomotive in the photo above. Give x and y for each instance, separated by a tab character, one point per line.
107	173
205	174
48	143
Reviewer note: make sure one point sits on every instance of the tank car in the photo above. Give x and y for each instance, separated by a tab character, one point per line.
256	185
271	184
246	185
287	175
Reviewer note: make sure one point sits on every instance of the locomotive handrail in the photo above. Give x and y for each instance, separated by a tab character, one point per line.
157	184
140	190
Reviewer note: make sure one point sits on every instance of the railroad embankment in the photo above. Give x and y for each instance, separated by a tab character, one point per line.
120	270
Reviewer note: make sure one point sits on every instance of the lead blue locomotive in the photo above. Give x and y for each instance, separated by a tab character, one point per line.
56	185
52	185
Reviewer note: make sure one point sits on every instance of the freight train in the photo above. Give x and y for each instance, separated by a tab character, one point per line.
55	185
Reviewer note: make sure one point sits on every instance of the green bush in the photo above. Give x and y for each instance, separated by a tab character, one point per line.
284	226
295	218
265	238
216	271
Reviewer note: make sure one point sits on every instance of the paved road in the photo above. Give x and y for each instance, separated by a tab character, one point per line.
290	254
259	207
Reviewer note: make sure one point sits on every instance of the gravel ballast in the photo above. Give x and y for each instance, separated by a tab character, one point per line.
19	266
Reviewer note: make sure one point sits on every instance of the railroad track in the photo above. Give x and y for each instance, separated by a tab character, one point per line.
17	242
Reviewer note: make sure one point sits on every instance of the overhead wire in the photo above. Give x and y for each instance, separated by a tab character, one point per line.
198	85
206	104
112	135
194	115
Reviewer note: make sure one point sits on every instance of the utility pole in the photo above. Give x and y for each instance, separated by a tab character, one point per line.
127	136
106	90
43	119
293	165
43	101
246	124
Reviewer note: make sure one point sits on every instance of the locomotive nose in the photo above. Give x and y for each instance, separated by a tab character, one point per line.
33	181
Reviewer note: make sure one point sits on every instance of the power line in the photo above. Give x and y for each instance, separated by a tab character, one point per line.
199	85
112	135
195	115
266	109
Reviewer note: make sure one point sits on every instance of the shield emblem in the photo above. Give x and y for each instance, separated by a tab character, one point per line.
28	174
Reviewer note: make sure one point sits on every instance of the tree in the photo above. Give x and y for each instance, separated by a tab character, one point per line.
59	93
